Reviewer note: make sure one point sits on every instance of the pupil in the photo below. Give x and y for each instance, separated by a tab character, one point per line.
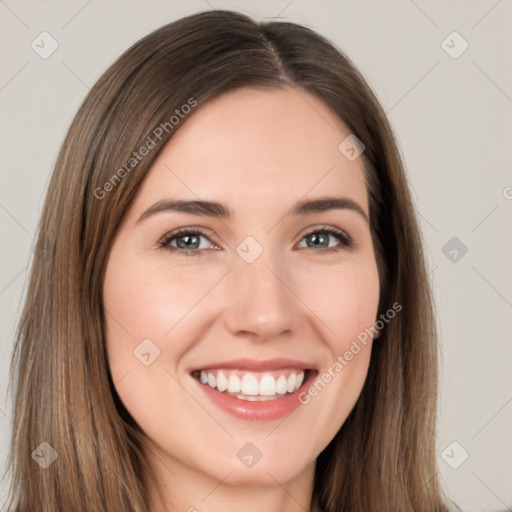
315	238
188	243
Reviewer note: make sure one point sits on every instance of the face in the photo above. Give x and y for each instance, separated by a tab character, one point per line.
255	303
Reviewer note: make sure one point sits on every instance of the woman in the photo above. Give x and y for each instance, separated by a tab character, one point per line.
228	306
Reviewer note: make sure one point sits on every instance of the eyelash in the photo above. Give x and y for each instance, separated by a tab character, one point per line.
345	241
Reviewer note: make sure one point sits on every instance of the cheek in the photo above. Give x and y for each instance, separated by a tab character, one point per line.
346	303
147	301
148	308
344	298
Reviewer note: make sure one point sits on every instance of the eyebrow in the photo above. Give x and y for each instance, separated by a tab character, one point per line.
220	211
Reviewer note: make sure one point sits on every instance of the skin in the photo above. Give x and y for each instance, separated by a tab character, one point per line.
258	151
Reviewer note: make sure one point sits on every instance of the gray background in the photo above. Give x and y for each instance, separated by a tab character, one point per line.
452	120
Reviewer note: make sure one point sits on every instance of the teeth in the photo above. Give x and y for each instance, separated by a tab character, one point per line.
222	382
281	385
234	386
292	379
267	386
252	384
249	385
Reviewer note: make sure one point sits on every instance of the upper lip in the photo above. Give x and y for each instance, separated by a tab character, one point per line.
257	365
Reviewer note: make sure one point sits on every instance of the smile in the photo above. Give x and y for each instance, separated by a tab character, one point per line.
249	389
253	386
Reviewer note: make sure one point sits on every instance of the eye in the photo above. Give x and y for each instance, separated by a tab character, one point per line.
319	238
187	241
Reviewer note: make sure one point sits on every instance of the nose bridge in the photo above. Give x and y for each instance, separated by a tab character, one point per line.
259	302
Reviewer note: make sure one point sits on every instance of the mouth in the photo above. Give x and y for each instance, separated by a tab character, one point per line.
253	386
255	390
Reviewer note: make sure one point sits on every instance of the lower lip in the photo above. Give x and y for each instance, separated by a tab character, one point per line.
257	410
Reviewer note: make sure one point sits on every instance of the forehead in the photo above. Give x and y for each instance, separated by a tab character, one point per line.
257	146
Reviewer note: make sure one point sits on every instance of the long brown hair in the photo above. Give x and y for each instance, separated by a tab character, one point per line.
383	457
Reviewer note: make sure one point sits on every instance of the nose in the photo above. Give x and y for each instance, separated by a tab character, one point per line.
260	300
